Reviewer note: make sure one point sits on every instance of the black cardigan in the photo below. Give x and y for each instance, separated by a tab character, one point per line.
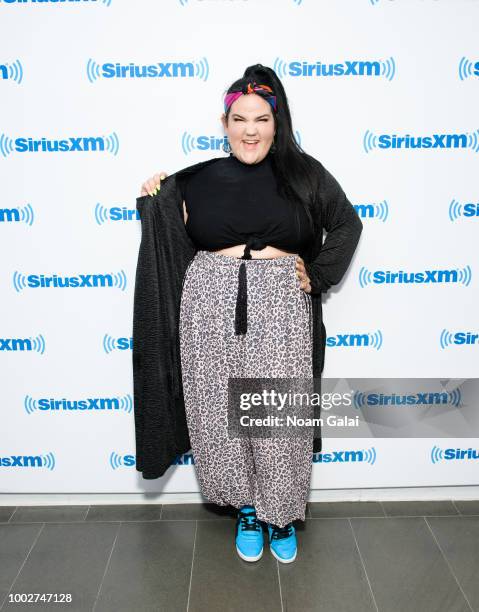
165	252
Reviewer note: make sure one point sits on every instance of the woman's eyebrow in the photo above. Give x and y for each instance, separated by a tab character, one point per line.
258	117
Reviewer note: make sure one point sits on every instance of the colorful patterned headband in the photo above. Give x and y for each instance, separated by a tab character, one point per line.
251	88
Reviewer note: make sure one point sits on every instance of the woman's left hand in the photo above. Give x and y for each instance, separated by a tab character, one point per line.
305	284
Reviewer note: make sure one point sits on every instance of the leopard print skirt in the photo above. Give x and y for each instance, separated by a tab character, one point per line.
273	474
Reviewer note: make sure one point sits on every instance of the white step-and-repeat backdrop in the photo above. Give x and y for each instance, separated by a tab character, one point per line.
98	95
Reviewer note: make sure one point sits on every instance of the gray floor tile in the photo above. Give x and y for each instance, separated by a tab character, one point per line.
405	567
221	581
150	568
197	512
15	543
150	564
419	508
327	574
459	541
125	512
467	506
66	558
345	509
49	514
6	512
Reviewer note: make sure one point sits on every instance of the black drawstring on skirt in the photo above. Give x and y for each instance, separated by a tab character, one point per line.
241	312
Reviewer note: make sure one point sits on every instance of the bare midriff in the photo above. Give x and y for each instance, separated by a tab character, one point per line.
269	252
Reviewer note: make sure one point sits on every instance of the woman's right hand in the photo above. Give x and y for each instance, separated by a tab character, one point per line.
152	185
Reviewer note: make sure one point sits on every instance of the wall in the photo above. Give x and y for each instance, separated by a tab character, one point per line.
404	69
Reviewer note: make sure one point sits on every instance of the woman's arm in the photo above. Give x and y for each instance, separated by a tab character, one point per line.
343	226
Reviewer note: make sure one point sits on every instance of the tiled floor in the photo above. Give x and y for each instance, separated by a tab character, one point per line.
389	556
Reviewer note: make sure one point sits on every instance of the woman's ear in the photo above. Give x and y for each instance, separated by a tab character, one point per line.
223	121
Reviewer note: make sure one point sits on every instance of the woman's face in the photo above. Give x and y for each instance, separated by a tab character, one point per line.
250	128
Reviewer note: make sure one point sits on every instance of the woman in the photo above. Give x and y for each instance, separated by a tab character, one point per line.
256	220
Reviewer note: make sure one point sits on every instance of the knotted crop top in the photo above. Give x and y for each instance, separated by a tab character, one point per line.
231	202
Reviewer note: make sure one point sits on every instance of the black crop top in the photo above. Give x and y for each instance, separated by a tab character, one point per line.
231	202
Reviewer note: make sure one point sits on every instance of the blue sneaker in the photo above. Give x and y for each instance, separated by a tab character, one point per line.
282	542
249	534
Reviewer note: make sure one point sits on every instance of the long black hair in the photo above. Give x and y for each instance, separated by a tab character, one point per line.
292	166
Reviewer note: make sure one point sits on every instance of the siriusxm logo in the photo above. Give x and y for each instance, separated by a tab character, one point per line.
469	140
359	68
29	461
114	213
381	277
117	461
378	210
88	144
58	2
111	344
468	210
185	459
50	404
373	340
114	70
348	456
190	143
453	398
36	344
457	454
94	281
12	71
460	338
17	215
467	68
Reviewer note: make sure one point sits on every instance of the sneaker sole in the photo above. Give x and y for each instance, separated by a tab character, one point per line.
250	559
280	559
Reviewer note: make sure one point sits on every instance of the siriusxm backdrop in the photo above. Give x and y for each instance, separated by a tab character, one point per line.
97	95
